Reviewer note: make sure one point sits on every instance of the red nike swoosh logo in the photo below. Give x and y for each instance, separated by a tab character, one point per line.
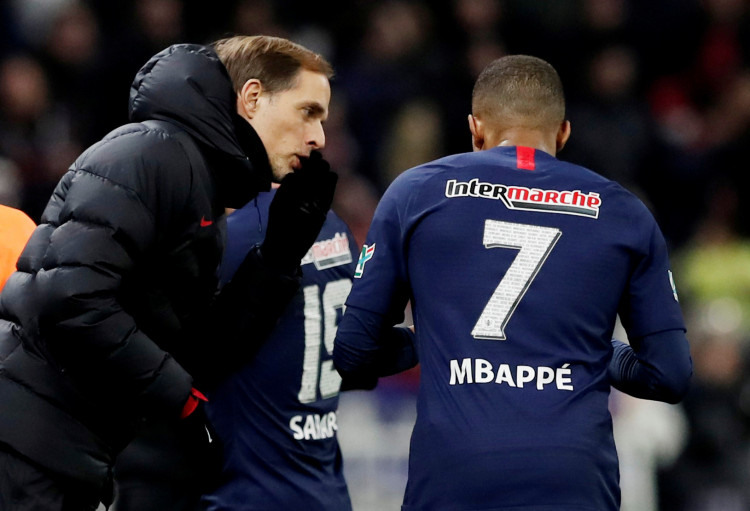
205	223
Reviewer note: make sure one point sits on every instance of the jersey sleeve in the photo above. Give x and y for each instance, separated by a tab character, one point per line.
379	292
380	279
372	348
650	303
656	367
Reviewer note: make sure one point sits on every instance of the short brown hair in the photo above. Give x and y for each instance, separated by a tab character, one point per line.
519	90
272	60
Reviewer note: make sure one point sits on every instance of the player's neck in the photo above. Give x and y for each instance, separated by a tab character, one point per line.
537	139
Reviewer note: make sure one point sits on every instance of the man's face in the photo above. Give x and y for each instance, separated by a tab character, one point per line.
289	122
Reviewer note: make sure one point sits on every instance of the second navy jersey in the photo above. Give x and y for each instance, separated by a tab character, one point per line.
277	416
517	265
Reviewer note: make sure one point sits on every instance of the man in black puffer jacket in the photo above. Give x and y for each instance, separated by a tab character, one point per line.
112	317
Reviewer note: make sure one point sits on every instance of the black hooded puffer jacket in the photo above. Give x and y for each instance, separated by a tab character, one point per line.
111	283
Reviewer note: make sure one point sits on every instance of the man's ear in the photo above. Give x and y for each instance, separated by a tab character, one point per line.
477	133
247	98
563	134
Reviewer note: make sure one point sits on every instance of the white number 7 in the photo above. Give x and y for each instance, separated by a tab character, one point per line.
534	243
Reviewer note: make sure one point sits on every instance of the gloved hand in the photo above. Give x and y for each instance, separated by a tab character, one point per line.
297	213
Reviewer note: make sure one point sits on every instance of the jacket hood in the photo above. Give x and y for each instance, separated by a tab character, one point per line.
188	85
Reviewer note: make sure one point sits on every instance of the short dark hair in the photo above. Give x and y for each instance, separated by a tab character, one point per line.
519	90
274	61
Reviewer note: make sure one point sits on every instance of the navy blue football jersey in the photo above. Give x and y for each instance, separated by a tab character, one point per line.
277	416
517	265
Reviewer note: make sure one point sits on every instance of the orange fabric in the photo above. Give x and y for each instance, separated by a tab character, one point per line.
15	229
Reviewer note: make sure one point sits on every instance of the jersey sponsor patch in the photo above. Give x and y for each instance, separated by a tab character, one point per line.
568	202
364	256
329	253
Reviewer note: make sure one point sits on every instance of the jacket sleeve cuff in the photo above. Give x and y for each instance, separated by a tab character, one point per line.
167	395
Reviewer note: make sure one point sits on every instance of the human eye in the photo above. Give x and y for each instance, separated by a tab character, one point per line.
312	111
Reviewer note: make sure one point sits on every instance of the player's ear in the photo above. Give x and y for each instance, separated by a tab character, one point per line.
563	134
477	133
247	98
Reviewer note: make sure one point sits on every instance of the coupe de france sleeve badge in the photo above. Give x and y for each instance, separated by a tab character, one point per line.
364	256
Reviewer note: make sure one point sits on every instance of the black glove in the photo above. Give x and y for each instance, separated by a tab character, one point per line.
297	213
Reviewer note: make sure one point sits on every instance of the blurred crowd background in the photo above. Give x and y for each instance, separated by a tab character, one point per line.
659	98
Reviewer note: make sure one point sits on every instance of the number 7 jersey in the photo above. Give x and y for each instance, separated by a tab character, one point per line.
517	265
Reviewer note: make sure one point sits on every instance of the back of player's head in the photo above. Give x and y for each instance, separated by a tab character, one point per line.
272	60
519	91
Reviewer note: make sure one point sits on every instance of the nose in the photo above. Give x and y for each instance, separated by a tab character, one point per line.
317	136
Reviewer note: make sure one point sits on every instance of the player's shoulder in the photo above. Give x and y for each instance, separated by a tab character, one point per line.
416	177
614	196
587	177
333	254
254	212
579	173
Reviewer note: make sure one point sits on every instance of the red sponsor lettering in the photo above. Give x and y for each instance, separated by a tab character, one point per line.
551	196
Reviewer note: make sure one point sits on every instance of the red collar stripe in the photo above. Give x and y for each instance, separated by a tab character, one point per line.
525	158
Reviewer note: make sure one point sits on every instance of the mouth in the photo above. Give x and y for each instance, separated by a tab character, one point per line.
296	162
298	159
